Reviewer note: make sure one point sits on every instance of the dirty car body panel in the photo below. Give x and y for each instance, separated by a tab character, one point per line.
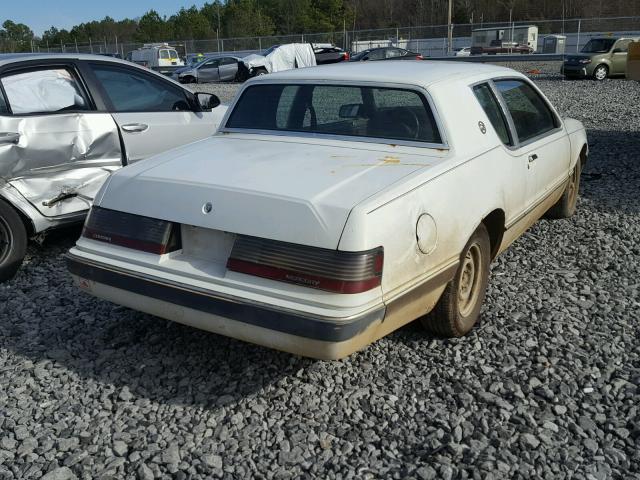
337	211
53	162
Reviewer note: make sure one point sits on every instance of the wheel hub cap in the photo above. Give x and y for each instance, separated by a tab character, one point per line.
469	280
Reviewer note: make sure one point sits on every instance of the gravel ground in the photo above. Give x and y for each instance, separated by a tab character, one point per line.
548	385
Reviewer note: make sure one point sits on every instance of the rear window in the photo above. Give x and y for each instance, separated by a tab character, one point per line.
354	111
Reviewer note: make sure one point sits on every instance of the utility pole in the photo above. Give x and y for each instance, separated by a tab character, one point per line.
450	30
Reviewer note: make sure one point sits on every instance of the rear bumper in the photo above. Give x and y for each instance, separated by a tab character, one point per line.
283	329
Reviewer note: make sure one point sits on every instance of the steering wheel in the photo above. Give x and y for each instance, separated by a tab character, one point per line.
407	119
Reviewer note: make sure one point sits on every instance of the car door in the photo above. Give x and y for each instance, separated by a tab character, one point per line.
208	71
228	69
515	167
56	148
540	138
619	57
153	114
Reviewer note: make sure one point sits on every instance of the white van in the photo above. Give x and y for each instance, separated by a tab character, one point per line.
154	55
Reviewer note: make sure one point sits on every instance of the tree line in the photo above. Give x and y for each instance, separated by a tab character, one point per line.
250	18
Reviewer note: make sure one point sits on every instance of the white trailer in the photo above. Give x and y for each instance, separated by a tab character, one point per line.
521	34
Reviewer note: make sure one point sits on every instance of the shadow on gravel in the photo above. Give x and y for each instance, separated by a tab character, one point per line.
45	319
612	176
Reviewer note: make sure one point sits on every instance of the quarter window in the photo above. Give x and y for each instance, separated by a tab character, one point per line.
131	91
492	108
52	90
531	115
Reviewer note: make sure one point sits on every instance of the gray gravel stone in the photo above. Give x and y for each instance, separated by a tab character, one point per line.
546	386
61	473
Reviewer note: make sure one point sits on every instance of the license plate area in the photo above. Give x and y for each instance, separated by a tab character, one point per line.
207	244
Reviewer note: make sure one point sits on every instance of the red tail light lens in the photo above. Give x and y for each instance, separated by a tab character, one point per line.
346	56
419	57
132	231
323	269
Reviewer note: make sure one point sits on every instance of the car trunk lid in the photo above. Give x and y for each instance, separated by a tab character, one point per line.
281	188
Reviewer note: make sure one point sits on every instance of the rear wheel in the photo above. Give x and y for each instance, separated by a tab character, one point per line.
458	309
601	72
566	206
13	241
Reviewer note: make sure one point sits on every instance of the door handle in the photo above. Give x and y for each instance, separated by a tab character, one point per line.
9	137
533	158
135	127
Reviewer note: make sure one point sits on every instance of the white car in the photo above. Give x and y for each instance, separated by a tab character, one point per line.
463	52
335	205
67	121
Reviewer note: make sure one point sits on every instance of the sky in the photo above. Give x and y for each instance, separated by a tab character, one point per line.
42	14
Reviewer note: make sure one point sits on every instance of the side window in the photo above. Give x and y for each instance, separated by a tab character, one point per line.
531	115
394	52
50	90
376	54
211	64
623	46
131	91
228	61
492	108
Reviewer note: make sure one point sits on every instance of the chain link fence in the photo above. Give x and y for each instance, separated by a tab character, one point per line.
428	40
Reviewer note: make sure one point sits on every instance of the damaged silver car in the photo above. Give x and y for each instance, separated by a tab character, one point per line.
67	122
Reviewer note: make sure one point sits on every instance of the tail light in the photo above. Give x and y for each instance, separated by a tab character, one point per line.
132	231
319	268
420	57
346	56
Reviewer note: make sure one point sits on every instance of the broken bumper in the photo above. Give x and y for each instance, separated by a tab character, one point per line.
282	329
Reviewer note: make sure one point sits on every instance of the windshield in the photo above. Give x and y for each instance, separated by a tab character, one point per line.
598	45
269	50
166	54
358	56
355	111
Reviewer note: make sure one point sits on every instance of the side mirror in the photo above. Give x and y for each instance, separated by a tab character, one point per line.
617	50
350	110
207	101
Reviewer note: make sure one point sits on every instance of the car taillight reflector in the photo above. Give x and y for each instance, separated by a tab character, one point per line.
346	56
323	269
132	231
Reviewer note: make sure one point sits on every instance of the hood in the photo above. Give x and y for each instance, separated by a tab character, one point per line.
295	190
254	60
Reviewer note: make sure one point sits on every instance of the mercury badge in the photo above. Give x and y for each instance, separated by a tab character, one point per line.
207	207
483	129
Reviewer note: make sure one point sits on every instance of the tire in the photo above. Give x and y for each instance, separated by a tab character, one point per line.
458	309
601	72
13	241
260	72
188	80
566	206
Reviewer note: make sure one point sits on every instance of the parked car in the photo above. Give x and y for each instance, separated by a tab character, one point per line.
408	182
462	52
498	47
212	69
67	121
327	53
385	53
599	58
279	58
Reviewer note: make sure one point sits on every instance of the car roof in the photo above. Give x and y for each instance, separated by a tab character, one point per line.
418	72
7	58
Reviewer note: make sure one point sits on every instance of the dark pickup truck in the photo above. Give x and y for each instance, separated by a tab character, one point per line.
497	47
